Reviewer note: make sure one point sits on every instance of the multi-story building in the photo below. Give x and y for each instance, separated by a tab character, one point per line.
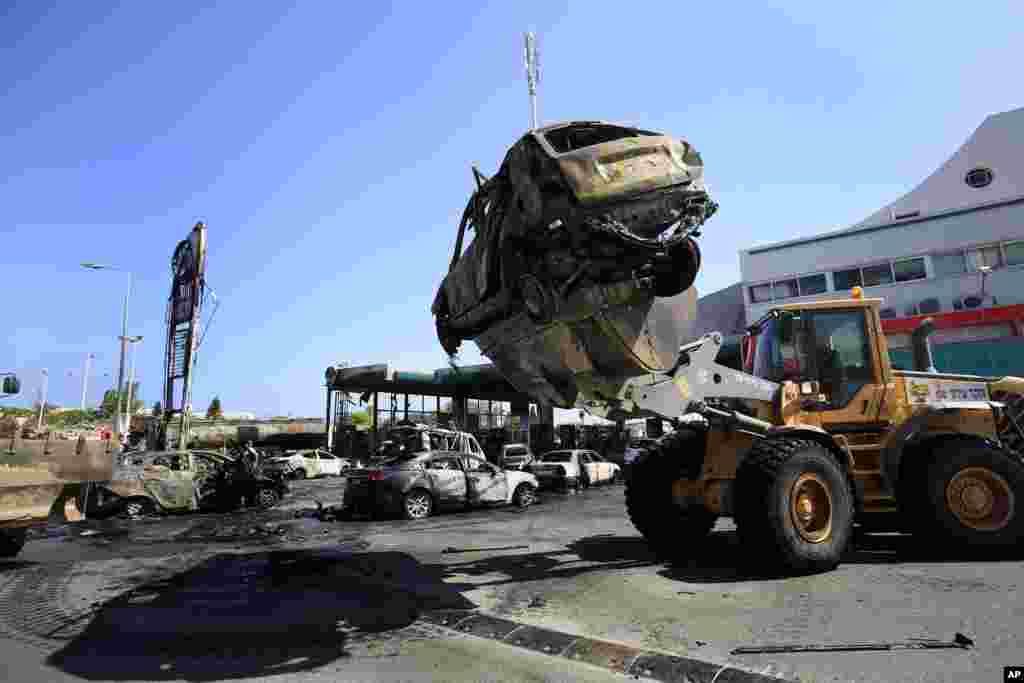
951	249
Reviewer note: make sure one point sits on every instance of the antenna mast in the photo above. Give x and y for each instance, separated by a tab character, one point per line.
532	60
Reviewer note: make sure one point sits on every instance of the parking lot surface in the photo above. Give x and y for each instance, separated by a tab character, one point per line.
280	594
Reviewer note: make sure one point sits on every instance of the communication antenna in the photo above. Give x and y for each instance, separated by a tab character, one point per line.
532	58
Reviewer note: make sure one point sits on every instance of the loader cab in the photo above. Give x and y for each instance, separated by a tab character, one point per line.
826	348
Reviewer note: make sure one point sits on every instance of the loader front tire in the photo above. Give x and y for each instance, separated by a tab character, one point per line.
669	528
794	505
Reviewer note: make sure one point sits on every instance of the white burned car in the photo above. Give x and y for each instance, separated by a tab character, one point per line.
418	484
574	469
309	464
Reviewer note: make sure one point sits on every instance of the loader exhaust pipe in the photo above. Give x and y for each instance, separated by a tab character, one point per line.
922	347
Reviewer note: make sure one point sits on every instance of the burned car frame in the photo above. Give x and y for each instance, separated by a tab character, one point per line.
580	217
180	481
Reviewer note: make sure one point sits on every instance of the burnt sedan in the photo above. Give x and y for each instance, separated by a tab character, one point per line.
419	484
573	265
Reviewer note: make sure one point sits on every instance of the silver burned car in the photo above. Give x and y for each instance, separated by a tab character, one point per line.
418	484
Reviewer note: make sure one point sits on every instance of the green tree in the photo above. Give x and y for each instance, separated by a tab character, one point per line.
158	409
214	411
108	406
361	418
112	398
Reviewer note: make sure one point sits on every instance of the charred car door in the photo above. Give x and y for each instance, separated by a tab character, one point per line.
168	481
447	479
473	273
487	483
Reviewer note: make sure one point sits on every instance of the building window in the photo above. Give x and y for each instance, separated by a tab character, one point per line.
815	284
1014	253
785	289
910	269
877	275
761	293
953	263
985	256
978	177
846	279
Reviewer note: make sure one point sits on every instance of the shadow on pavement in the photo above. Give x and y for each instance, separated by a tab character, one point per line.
601	553
242	616
722	559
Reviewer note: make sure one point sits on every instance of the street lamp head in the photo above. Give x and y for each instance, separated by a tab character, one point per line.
94	266
136	338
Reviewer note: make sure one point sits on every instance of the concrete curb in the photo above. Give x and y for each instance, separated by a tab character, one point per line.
616	657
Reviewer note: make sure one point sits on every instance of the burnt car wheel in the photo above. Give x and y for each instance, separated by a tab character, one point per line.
537	299
524	496
417	504
679	270
12	541
138	507
267	498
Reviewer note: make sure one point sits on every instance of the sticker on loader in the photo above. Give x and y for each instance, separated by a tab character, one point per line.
929	391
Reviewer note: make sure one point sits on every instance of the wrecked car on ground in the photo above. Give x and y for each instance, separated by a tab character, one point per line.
582	256
181	481
574	469
418	484
308	464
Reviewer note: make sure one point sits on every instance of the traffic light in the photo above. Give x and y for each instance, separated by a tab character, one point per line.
11	385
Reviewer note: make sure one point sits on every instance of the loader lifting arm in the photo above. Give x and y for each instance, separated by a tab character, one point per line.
685	389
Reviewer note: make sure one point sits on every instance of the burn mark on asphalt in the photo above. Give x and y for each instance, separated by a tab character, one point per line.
240	616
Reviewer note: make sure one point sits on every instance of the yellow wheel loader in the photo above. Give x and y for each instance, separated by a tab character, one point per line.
820	433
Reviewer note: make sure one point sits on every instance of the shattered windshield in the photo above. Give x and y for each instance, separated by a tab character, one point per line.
571	138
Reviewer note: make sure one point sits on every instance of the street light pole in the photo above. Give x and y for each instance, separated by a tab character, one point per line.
121	404
119	421
42	402
85	378
131	379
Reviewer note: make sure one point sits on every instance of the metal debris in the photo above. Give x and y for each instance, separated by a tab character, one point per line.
449	550
960	641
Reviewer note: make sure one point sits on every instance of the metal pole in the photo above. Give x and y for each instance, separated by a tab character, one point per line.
532	74
131	384
42	402
85	378
119	417
329	421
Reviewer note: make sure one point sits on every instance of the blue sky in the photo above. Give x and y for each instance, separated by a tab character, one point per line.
328	147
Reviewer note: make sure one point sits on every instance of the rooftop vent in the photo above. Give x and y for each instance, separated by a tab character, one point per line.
978	177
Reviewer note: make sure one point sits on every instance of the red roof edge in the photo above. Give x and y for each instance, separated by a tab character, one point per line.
945	321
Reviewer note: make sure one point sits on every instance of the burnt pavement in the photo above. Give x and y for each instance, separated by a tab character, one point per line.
565	590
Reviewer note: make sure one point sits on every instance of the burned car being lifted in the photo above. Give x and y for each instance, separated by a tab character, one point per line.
587	228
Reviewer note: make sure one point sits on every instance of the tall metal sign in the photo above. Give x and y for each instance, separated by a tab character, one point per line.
188	285
532	60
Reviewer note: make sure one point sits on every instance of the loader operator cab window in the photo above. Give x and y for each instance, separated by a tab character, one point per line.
830	347
843	354
781	349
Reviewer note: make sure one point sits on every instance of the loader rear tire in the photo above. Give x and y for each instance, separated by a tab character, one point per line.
669	529
974	496
794	505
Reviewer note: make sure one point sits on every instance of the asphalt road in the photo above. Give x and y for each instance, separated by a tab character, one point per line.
250	596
